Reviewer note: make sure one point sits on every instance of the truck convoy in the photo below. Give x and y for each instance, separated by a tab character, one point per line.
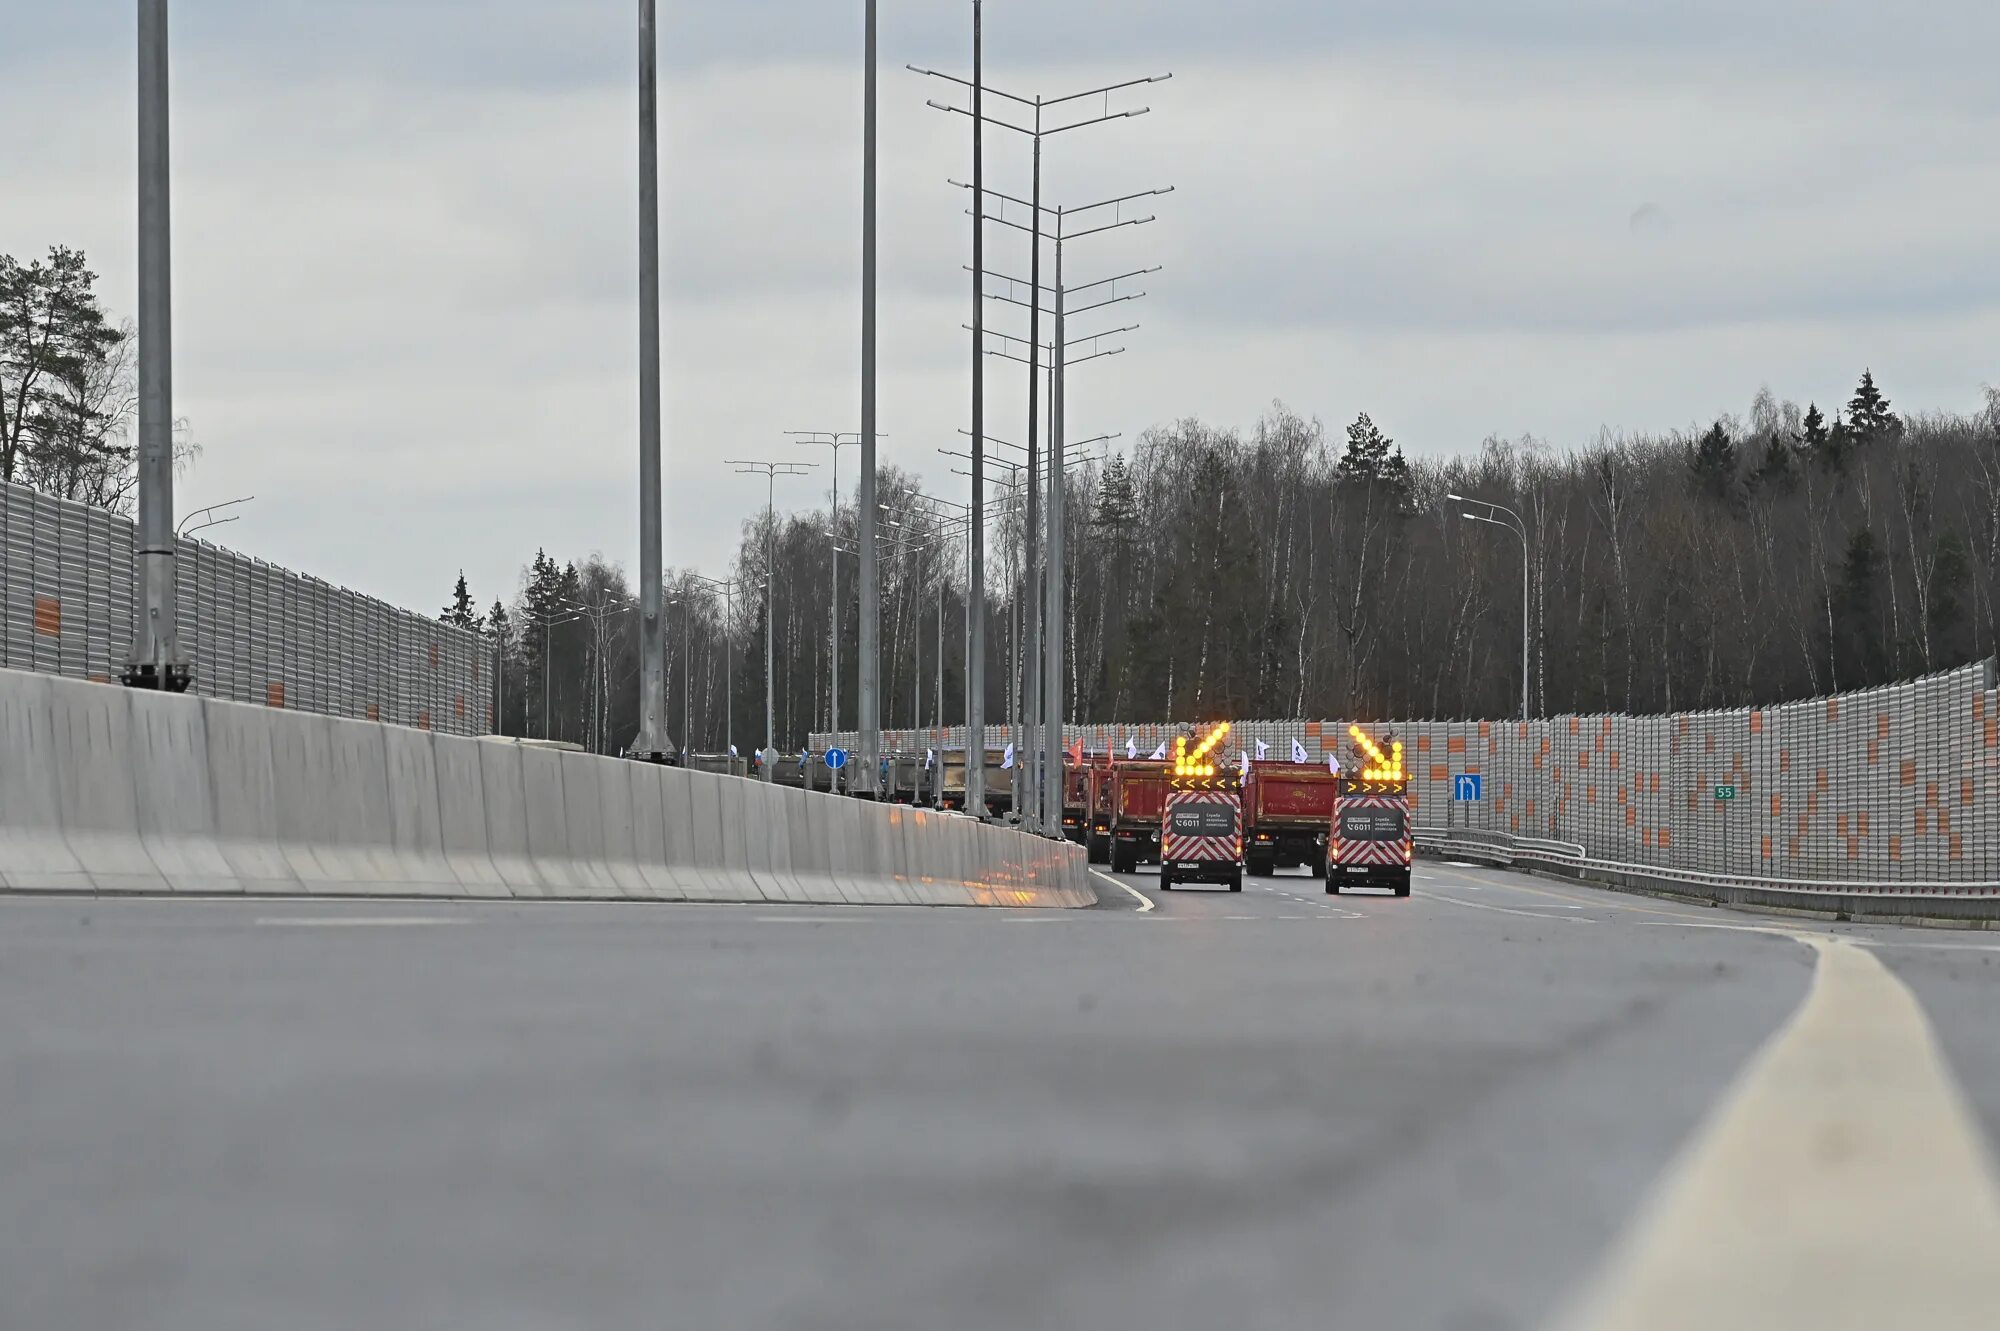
1369	842
1201	832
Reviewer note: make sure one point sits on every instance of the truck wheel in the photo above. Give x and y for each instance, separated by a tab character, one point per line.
1332	884
1166	881
1120	861
1260	866
1319	868
1236	881
1402	884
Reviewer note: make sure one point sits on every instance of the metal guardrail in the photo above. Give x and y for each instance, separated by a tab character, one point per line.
1968	902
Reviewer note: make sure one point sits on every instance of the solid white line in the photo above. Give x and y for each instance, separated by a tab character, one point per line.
814	919
1509	910
1841	1182
1145	902
352	922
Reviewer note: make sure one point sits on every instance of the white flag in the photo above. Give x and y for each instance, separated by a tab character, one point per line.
1299	752
1333	763
1262	749
1007	758
930	759
1131	747
1243	763
732	751
1160	752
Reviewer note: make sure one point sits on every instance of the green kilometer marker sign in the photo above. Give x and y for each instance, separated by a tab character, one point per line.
1724	794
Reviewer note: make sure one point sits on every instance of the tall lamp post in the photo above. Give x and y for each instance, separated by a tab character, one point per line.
652	743
1516	525
836	442
728	589
771	471
155	659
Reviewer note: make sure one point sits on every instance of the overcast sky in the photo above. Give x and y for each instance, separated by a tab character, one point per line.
405	235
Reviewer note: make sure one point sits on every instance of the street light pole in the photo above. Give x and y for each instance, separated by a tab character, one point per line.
652	743
836	442
975	592
727	586
869	702
771	471
155	659
1520	528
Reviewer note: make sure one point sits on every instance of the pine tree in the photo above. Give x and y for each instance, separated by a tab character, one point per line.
1117	506
1712	462
1824	448
1372	458
65	398
1869	419
460	613
1779	468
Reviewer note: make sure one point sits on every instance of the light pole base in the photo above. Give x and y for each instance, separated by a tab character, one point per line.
174	677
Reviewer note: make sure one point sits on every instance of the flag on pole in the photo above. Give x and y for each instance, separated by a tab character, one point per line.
1131	747
732	751
1160	753
1262	749
1007	758
930	759
1076	753
1333	763
1243	762
1299	752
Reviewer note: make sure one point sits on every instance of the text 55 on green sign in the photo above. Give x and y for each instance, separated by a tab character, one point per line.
1724	794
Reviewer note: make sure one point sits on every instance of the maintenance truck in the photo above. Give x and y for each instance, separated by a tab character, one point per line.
1138	793
1369	839
1097	815
999	782
1077	777
1201	837
1287	812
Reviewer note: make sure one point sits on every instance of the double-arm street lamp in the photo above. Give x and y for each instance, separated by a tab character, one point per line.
1512	521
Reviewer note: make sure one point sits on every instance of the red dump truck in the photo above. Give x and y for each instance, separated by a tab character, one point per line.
1097	815
1076	797
1138	794
1287	811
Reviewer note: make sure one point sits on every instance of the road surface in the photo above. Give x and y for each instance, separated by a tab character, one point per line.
1477	1108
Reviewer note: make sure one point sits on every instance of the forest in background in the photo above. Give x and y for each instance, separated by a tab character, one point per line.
1285	570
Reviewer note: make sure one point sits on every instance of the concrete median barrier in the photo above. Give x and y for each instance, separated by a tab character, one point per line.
104	790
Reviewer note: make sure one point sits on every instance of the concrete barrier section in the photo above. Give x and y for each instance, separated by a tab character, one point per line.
104	790
34	856
176	815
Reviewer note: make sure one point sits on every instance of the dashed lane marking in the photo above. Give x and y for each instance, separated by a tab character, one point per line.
1842	1181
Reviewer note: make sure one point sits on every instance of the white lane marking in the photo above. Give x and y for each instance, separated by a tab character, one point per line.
1031	919
1842	1181
1925	947
1509	910
814	919
355	921
1146	903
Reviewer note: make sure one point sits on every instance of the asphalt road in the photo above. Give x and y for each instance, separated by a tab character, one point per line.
1265	1109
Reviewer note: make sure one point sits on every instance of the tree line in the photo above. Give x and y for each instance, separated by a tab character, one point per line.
1276	571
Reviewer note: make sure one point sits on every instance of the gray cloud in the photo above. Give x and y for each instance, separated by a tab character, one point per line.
405	236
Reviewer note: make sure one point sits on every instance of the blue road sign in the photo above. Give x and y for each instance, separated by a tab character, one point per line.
1466	788
836	758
